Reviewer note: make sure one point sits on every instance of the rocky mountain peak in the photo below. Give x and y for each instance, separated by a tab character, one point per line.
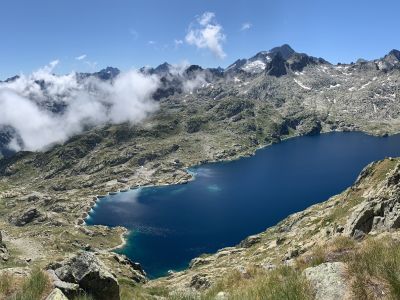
389	61
395	53
277	66
162	69
12	79
276	62
285	51
107	73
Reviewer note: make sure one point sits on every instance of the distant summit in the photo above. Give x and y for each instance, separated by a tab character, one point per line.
285	51
276	62
108	73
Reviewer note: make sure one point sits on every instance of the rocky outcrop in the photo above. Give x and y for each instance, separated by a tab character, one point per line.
200	281
28	216
201	261
136	271
379	212
85	271
309	127
376	215
250	241
69	289
328	281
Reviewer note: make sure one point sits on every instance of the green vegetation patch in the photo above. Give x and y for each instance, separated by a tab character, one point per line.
375	268
34	287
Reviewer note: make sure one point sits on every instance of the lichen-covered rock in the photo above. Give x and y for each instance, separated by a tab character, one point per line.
91	275
71	290
328	280
200	281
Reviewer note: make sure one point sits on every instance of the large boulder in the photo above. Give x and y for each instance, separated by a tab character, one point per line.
328	281
87	271
71	290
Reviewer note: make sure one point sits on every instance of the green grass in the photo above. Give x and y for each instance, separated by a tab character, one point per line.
350	199
342	243
337	249
283	283
377	263
315	258
6	285
130	290
34	287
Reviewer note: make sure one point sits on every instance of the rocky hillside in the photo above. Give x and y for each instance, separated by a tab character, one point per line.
205	115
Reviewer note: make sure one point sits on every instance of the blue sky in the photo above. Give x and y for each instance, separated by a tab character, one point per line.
128	34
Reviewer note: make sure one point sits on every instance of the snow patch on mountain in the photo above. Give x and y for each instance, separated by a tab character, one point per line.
256	66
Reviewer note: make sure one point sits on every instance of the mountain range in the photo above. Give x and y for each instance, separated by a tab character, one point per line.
202	115
366	88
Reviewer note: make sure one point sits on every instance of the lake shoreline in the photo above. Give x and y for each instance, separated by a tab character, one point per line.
355	139
123	236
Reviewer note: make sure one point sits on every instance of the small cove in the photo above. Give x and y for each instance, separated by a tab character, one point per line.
228	201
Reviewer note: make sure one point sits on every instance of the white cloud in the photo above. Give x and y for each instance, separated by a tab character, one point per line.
151	42
206	18
189	84
178	42
24	104
81	57
207	34
246	26
53	64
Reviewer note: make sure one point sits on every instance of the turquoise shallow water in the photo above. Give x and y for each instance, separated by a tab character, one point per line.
229	201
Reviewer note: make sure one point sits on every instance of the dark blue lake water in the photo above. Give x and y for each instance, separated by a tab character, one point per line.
230	201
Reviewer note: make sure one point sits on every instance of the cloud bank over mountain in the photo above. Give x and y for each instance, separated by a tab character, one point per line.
44	109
